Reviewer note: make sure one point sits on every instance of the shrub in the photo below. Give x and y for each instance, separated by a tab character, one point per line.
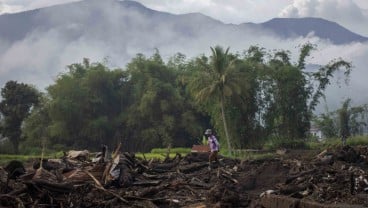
28	150
357	140
276	143
59	147
4	159
336	142
6	147
314	145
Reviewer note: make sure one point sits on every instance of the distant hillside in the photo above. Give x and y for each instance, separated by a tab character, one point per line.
96	18
292	27
36	46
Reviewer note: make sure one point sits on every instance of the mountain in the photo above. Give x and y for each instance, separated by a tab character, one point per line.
324	29
93	17
37	45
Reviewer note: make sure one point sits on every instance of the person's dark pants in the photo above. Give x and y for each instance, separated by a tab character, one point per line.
213	157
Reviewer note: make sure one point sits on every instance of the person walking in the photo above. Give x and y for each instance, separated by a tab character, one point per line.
214	147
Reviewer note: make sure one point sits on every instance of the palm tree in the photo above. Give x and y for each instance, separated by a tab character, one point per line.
216	81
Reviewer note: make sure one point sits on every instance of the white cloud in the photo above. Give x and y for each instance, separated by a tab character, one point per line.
42	55
9	8
352	14
12	6
349	13
362	3
355	53
227	11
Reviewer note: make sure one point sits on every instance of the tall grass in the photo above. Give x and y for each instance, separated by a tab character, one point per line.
160	153
351	141
277	143
5	158
179	150
158	156
358	140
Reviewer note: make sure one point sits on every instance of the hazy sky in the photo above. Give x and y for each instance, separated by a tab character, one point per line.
352	14
41	56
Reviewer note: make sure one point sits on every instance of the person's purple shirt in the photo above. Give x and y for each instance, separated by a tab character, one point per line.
214	145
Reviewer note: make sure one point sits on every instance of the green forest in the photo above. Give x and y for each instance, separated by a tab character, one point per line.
248	98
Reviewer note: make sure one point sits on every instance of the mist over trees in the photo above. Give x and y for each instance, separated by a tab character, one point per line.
246	98
345	121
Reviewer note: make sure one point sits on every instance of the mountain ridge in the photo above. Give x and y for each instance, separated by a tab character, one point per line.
17	25
37	45
287	27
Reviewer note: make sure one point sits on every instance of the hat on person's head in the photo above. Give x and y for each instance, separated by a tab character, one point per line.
208	132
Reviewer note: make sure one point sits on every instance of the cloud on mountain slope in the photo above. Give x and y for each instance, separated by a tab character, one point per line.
12	6
349	13
345	12
228	11
42	55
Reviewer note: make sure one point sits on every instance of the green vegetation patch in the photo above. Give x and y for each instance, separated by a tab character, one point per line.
5	158
179	150
157	156
277	143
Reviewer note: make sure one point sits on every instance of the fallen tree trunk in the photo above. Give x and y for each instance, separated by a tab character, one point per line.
192	167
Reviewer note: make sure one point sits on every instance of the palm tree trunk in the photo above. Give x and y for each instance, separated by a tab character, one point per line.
225	125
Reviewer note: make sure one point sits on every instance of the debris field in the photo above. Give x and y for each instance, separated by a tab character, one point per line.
331	178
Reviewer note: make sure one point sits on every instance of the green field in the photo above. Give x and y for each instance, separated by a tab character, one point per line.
160	153
4	159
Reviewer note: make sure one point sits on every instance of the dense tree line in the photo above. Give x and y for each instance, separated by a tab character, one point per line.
247	98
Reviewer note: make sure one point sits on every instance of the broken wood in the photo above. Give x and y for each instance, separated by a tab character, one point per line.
188	183
192	167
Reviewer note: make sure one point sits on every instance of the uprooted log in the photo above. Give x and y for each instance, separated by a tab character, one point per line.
165	166
64	164
292	189
159	177
198	182
295	176
125	169
110	166
150	191
197	157
147	183
192	167
49	186
119	172
228	175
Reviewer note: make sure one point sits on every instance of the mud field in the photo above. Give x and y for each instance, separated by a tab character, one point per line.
337	178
